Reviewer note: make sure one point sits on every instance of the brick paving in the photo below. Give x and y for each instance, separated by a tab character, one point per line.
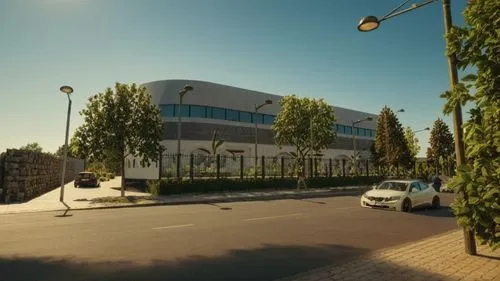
439	257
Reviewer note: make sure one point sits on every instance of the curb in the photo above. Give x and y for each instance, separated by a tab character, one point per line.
332	193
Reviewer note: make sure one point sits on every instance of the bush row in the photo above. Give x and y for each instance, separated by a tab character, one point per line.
171	186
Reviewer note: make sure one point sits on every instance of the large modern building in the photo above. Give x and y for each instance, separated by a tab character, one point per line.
231	112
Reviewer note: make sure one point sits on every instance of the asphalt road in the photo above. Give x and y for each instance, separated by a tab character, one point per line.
234	241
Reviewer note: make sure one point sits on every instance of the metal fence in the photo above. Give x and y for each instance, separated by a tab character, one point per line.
223	166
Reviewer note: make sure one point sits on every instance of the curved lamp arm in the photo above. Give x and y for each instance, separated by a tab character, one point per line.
370	23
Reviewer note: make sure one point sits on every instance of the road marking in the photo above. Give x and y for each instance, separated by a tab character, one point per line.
173	226
273	217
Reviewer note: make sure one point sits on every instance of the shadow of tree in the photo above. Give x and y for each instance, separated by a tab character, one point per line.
269	262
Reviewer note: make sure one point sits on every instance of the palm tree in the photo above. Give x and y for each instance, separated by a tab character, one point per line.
215	145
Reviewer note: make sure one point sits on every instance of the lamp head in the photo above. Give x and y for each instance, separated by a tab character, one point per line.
66	89
368	23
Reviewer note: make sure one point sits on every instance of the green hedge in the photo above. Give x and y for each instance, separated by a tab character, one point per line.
172	186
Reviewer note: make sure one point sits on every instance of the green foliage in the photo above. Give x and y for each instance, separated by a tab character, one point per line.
169	187
412	142
122	120
33	147
441	145
476	46
298	120
153	187
391	148
103	178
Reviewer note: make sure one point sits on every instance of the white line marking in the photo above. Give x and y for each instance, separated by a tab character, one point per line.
173	226
273	217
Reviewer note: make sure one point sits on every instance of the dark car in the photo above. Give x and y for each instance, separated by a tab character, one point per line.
87	179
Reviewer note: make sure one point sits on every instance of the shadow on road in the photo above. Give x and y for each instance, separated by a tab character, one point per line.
312	201
220	207
443	212
269	262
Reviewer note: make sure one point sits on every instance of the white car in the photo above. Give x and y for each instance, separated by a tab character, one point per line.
401	195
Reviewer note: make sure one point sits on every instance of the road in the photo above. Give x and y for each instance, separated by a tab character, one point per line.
234	241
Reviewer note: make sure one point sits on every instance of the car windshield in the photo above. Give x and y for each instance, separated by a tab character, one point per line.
392	185
85	175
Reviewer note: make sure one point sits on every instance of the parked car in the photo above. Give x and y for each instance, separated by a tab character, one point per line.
401	195
87	179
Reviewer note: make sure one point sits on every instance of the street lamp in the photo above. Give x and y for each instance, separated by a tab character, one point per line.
371	23
257	107
66	90
184	91
354	138
424	129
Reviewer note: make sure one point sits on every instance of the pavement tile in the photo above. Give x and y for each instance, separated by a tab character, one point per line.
411	262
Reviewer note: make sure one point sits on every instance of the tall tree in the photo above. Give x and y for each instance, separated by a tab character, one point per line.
390	142
441	143
306	124
412	142
123	120
33	146
476	46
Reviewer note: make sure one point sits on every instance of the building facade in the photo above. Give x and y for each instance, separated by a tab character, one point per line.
230	111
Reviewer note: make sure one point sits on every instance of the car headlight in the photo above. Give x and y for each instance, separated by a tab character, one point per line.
393	198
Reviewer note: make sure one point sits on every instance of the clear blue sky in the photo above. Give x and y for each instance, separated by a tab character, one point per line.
309	48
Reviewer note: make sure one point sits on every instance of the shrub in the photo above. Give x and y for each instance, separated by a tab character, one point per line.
103	178
111	175
153	187
168	187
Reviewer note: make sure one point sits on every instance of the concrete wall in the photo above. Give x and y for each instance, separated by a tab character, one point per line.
26	175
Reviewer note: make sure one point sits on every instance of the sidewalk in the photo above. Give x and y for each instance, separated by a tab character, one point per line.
439	257
107	196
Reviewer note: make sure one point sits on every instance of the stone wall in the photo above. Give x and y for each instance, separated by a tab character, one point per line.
26	175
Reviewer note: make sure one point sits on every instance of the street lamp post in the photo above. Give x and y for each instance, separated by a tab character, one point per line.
354	139
257	107
66	90
184	91
370	23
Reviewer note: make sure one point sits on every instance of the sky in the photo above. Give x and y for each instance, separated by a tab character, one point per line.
308	48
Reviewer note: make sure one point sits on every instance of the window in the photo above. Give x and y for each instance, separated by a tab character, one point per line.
232	115
414	187
257	118
373	133
245	117
367	132
184	111
198	111
268	119
167	110
133	163
348	130
218	113
358	131
423	186
340	129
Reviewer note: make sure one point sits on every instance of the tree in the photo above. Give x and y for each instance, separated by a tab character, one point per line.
72	149
412	142
33	146
122	120
441	144
477	46
298	120
390	143
215	145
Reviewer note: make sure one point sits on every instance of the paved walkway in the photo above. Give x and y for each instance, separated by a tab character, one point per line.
440	257
91	198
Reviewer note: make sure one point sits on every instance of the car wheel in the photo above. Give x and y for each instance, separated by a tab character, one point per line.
436	203
406	207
